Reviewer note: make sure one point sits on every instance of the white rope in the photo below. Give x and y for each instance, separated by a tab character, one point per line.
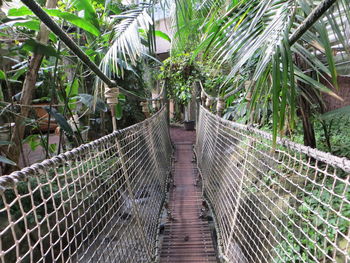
284	204
97	203
101	201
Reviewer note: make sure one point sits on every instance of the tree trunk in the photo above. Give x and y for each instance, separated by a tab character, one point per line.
28	90
309	132
305	109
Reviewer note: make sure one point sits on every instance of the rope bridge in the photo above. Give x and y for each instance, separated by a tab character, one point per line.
102	202
97	203
287	203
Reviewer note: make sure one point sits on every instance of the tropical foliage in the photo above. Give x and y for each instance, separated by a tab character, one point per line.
253	38
179	73
246	52
259	65
63	83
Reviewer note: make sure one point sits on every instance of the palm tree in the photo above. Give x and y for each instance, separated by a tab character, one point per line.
127	45
254	39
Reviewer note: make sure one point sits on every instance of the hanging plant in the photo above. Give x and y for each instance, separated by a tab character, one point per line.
180	72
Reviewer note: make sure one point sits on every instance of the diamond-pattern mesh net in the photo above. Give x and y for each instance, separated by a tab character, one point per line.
287	203
97	203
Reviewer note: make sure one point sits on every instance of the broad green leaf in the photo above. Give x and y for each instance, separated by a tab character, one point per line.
337	113
22	11
2	74
75	20
37	47
30	24
33	141
89	10
72	89
3	159
71	18
161	34
158	33
118	111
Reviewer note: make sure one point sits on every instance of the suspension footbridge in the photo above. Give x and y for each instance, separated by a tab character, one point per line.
226	194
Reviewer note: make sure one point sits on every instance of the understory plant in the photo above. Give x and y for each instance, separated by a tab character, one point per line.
180	73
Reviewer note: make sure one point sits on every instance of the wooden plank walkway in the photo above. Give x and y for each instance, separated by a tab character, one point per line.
187	237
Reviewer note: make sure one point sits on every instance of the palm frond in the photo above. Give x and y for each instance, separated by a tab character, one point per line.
126	44
187	20
256	28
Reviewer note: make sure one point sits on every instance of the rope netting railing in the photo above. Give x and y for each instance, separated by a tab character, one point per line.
99	202
288	203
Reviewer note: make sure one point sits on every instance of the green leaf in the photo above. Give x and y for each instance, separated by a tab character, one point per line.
121	97
310	81
30	24
61	120
118	111
83	23
4	35
292	97
115	9
19	73
72	89
37	47
323	32
89	10
3	159
22	11
275	94
157	33
33	141
53	148
75	20
2	75
338	113
284	85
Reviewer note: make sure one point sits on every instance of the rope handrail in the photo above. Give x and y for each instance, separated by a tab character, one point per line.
205	93
283	203
102	201
99	202
340	162
7	181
